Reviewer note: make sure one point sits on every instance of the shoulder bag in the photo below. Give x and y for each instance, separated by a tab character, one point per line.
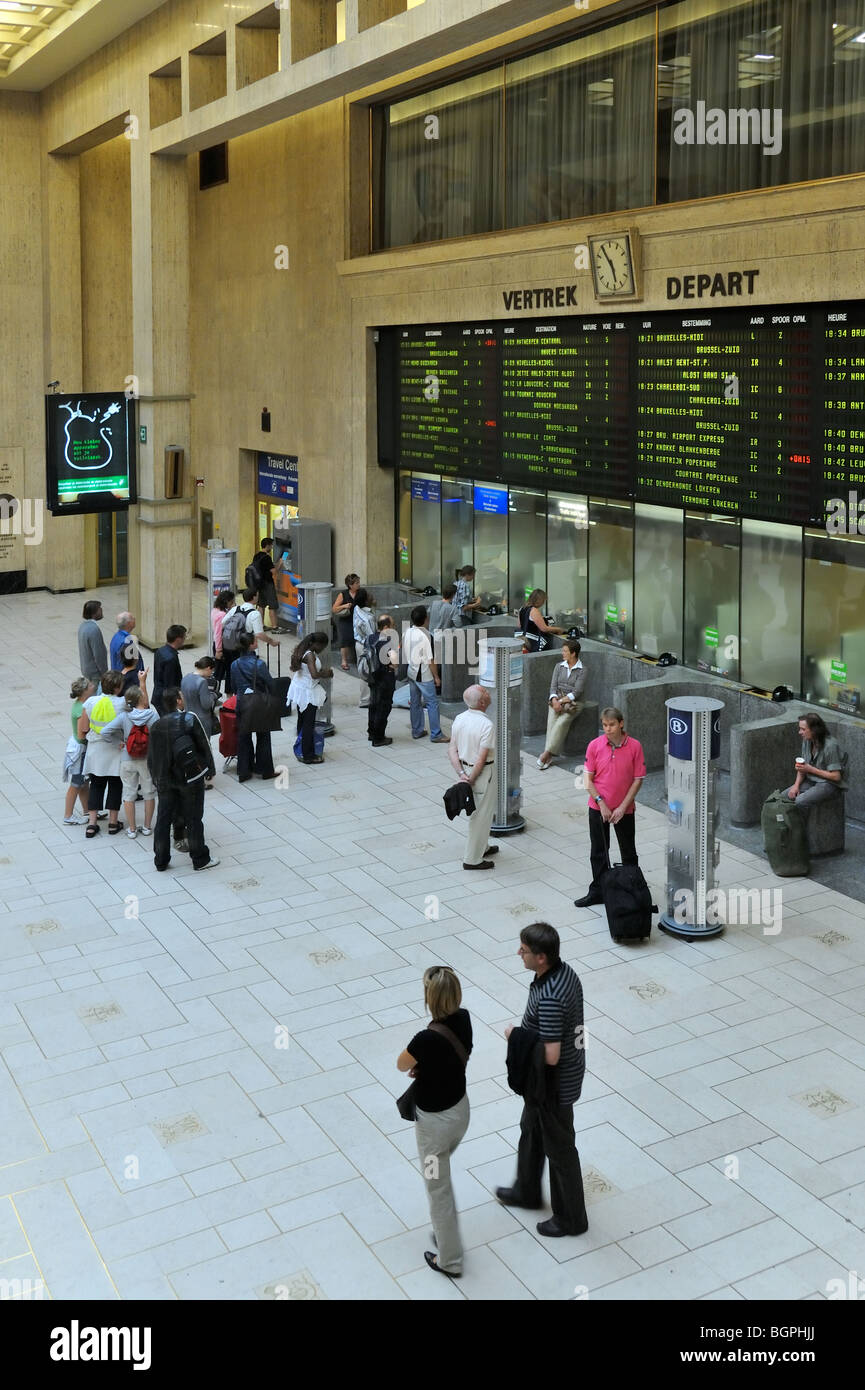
405	1103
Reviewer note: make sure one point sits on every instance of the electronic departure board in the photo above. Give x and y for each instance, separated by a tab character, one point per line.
564	408
448	392
755	412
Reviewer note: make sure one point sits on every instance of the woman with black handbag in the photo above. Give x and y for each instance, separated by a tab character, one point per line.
249	676
437	1102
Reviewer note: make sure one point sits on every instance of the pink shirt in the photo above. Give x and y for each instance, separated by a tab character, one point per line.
217	618
614	769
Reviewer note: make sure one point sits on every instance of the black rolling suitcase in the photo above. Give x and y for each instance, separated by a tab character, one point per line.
627	902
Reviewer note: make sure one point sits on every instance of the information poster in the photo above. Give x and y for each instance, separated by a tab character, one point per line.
90	452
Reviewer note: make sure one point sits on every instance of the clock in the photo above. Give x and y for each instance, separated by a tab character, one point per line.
615	258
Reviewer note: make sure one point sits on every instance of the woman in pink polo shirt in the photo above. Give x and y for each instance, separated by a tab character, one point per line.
615	769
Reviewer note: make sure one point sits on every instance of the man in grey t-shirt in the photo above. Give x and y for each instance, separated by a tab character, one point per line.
441	610
92	656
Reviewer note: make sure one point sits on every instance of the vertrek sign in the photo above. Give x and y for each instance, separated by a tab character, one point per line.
562	297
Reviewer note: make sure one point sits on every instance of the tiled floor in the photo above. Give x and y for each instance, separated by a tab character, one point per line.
196	1092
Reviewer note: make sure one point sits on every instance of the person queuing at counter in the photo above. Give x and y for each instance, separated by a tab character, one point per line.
819	768
565	702
464	606
343	610
537	633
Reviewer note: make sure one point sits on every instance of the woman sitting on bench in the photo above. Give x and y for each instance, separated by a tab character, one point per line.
820	768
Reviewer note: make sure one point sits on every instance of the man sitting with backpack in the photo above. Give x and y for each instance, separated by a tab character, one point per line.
179	759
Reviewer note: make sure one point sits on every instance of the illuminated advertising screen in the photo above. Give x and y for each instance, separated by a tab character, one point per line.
90	452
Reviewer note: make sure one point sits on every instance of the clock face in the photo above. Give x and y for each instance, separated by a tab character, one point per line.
614	272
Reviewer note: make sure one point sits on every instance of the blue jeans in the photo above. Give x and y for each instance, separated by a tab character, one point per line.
428	690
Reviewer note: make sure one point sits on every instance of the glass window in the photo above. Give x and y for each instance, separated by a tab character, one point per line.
712	594
438	157
491	544
527	569
580	126
426	530
611	571
772	615
458	528
658	573
403	544
834	665
754	95
567	559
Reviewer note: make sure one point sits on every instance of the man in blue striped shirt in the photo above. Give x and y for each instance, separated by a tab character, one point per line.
555	1013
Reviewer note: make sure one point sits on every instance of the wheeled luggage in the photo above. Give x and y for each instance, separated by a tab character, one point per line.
627	902
785	836
228	730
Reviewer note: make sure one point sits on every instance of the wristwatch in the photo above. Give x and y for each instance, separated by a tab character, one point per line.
599	799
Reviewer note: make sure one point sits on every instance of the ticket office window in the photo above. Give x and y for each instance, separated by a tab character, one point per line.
458	527
403	541
611	572
426	531
491	544
658	579
834	621
527	545
772	608
712	594
567	559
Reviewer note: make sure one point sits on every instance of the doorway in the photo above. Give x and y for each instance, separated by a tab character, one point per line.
107	549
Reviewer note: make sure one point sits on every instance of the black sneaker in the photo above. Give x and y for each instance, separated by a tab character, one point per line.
509	1197
382	742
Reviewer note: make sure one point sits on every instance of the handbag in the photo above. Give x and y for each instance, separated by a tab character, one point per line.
262	712
405	1103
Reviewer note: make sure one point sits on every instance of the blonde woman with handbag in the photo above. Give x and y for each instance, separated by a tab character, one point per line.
437	1102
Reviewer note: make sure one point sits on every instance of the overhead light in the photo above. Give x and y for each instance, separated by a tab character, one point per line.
14	5
860	38
765	57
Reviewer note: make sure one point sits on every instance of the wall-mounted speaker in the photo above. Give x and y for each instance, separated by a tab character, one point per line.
173	471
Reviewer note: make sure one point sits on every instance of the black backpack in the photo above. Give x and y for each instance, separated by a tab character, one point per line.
252	578
628	902
186	759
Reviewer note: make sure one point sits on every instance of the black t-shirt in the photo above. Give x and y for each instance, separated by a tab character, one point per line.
262	563
441	1077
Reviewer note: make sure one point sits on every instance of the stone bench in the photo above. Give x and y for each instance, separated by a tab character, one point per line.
762	759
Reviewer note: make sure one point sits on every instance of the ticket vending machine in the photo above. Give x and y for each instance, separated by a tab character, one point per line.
305	547
693	744
501	671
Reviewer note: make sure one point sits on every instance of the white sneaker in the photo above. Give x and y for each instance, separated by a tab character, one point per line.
74	820
144	830
131	833
211	864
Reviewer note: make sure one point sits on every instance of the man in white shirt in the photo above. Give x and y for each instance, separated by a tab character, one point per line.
472	755
423	675
254	620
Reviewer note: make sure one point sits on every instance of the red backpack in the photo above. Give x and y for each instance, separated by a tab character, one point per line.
138	741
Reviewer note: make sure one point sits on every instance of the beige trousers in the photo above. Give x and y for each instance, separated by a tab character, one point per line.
558	725
485	806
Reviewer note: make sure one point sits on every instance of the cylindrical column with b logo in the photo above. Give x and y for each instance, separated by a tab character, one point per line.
693	744
500	661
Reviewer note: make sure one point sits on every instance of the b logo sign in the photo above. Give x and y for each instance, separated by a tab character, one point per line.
678	726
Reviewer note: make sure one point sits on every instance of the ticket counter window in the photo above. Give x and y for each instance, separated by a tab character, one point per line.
458	528
772	611
403	540
712	594
658	573
611	572
426	530
567	559
273	516
527	545
491	544
834	664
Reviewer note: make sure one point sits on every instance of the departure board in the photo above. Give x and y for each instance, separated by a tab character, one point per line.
757	411
448	399
843	389
725	415
564	405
